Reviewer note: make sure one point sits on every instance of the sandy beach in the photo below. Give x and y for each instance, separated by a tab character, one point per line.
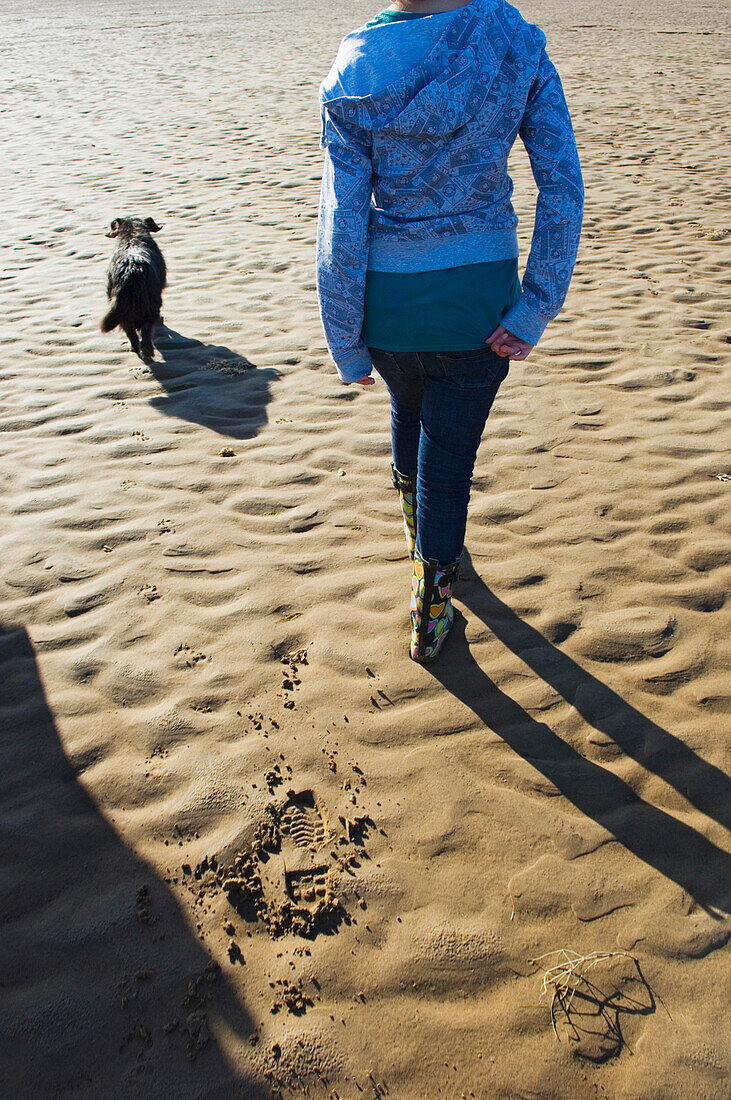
249	849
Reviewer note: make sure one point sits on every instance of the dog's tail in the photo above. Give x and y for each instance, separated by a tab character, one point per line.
111	318
138	299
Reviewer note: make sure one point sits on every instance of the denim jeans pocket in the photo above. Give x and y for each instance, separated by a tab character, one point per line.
402	373
466	356
474	369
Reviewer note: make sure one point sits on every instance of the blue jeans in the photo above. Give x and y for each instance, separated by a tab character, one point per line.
439	405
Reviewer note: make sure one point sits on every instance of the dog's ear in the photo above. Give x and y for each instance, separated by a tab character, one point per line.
152	225
114	228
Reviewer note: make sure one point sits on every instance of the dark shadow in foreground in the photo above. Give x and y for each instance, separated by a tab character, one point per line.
96	957
211	385
673	848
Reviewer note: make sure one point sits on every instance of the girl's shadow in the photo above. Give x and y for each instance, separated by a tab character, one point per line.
654	836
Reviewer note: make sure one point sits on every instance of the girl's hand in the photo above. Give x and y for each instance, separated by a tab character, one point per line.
366	380
506	344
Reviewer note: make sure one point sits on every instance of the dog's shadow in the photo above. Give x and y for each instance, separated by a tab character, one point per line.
211	385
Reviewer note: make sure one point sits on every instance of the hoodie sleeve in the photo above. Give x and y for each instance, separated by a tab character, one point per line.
548	136
342	242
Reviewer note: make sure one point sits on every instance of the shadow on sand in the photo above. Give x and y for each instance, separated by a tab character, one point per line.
664	842
95	953
211	385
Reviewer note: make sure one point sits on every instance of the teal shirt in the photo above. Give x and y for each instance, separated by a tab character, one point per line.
392	16
454	309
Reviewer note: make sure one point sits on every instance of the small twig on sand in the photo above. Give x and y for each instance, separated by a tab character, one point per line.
568	980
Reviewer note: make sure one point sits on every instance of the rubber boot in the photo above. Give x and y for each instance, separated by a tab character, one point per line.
431	606
406	487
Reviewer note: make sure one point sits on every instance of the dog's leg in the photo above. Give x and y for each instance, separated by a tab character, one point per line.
148	349
132	337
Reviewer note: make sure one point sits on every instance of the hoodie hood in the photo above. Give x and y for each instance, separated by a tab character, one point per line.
439	68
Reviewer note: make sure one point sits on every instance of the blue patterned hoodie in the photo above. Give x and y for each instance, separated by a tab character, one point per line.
418	119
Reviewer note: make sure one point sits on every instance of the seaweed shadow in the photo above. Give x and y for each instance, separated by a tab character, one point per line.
590	1011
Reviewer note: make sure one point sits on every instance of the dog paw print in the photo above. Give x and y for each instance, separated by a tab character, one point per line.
290	677
150	592
201	708
189	658
273	777
331	758
289	995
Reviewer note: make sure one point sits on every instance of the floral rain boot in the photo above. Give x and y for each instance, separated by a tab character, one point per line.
431	607
407	493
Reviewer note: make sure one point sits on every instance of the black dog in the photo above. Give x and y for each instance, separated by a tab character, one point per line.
135	281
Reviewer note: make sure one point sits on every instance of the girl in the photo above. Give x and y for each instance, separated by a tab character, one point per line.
417	252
